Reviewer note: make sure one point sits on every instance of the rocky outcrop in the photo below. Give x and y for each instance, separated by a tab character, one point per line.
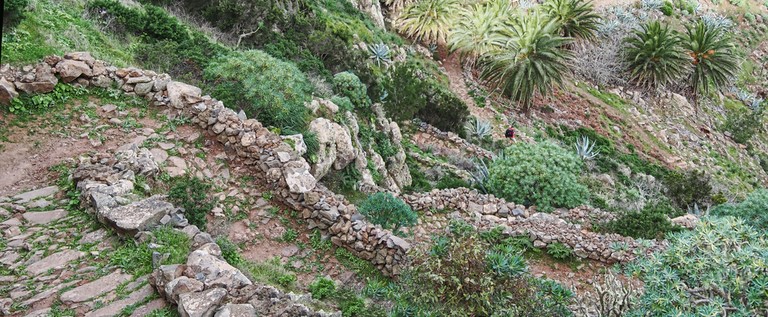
335	149
372	8
107	184
447	143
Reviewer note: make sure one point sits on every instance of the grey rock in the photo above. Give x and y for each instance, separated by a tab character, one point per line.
215	272
298	178
159	155
114	308
181	285
69	70
236	310
201	304
7	91
93	289
181	94
138	216
296	141
44	217
143	88
54	262
38	193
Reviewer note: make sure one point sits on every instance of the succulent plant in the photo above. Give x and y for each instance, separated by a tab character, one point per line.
478	129
585	148
380	53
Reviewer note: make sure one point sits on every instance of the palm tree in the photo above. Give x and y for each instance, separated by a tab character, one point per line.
713	61
576	17
428	20
655	56
478	26
533	60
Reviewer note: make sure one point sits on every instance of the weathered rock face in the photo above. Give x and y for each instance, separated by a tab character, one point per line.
298	178
336	148
7	91
138	216
40	80
296	142
69	70
181	94
688	221
372	8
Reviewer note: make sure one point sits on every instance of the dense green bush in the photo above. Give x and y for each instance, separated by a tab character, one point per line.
559	251
153	22
271	90
717	267
322	288
688	188
451	181
344	103
754	210
191	194
652	222
461	275
743	124
13	10
444	109
348	85
541	174
388	211
405	91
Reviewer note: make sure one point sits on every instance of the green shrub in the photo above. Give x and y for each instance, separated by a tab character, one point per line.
559	251
266	88
286	280
344	103
348	85
136	258
229	251
451	181
718	266
464	276
743	124
444	109
754	209
541	174
388	211
405	91
153	22
13	11
322	288
668	8
652	222
687	189
191	194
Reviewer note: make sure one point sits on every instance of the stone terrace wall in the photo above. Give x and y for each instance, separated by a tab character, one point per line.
205	284
447	143
274	162
488	211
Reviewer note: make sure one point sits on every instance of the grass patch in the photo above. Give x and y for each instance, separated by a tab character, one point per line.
136	258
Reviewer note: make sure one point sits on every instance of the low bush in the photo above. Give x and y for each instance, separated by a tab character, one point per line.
405	91
716	268
191	194
464	276
153	22
229	251
652	222
322	288
559	251
344	103
266	88
444	109
743	124
348	85
754	209
541	174
686	189
451	181
388	211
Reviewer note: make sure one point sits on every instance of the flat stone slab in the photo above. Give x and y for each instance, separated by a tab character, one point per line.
138	216
54	261
149	307
38	193
44	217
114	308
93	289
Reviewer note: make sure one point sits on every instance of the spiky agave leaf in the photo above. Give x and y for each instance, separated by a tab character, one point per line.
428	20
655	56
533	59
713	60
477	26
576	17
380	53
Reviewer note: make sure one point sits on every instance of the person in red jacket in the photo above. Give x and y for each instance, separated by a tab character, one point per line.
510	133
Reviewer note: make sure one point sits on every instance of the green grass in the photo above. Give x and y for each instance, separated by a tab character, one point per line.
270	272
58	27
136	258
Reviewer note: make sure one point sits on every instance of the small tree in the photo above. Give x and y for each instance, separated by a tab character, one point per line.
388	211
655	56
714	63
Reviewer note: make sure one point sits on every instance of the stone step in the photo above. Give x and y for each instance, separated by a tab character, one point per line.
38	193
114	308
93	289
54	261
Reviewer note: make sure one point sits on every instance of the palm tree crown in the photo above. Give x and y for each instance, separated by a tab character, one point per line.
533	60
712	56
576	17
428	20
655	56
477	27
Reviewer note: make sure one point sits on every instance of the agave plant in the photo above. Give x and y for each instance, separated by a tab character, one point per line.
585	149
478	25
576	17
428	20
533	60
380	53
696	211
714	63
654	56
478	129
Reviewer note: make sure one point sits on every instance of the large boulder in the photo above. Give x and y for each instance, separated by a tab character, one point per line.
69	70
335	146
181	94
297	177
7	91
201	304
214	272
138	216
296	141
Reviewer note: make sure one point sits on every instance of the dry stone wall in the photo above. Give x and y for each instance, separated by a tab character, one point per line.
206	285
272	161
447	143
569	227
